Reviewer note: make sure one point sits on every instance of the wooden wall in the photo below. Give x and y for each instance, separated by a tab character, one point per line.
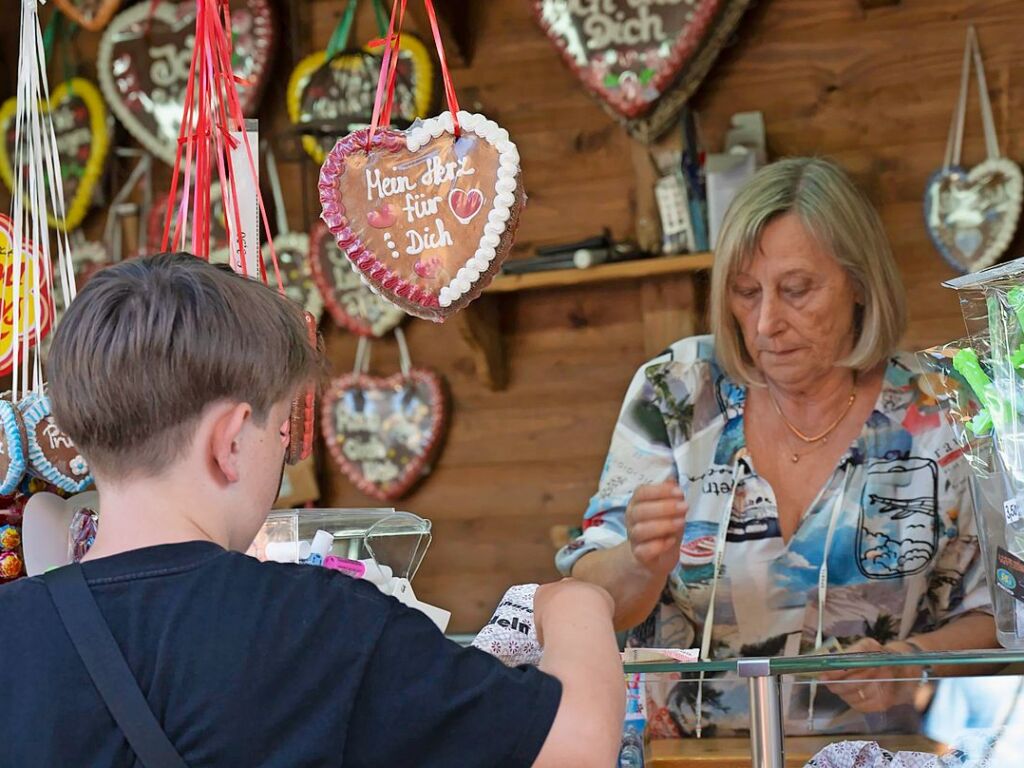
872	89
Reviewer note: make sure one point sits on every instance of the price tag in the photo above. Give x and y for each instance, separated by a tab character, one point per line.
1012	511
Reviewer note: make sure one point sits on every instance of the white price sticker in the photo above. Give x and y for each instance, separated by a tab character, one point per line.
1011	511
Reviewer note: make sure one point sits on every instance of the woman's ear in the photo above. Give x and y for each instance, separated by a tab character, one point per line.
225	435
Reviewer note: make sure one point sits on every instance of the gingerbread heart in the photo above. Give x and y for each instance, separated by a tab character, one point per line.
33	327
642	59
82	128
406	214
220	251
292	249
13	458
349	301
144	59
384	433
972	215
342	91
51	454
89	14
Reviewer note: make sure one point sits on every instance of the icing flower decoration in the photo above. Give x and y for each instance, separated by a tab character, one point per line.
79	466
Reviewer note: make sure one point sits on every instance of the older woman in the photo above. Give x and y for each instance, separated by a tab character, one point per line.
786	485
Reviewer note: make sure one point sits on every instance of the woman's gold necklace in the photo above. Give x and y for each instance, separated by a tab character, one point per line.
822	437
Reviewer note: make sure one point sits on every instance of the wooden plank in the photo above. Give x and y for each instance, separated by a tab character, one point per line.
625	270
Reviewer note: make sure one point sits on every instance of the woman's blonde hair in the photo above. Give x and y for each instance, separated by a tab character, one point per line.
844	223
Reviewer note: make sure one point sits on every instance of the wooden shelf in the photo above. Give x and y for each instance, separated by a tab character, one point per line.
480	325
623	270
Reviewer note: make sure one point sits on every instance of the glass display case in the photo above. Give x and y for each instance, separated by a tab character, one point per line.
966	705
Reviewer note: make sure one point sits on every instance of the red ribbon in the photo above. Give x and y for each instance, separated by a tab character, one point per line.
205	140
449	87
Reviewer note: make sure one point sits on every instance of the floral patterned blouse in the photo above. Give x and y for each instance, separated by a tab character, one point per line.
903	554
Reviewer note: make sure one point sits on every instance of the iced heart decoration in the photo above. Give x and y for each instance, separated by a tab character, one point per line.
972	215
83	138
425	216
292	249
384	433
51	454
642	59
13	458
348	299
33	326
89	14
341	92
144	59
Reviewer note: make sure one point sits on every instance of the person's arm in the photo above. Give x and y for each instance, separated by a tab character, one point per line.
634	572
575	629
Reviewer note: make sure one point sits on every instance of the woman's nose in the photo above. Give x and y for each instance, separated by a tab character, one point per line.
769	317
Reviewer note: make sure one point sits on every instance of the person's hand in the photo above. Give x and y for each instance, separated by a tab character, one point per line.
655	519
875	690
552	600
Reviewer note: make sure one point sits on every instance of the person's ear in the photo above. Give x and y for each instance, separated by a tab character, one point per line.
225	438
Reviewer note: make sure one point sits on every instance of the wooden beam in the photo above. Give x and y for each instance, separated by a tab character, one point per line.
480	327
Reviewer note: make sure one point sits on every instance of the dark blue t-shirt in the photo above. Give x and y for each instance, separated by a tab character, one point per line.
261	664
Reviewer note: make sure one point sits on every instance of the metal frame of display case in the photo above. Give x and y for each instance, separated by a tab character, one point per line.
766	726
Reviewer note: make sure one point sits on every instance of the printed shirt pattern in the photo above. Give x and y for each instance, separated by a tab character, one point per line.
904	558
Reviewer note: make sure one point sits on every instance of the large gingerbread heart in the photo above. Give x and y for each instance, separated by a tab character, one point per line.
51	454
89	14
292	249
220	251
342	91
384	433
349	301
32	326
642	59
426	217
81	125
144	60
972	215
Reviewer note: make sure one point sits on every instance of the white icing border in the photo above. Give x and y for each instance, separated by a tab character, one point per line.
504	193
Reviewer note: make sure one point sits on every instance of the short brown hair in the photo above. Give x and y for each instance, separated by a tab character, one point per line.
149	343
841	218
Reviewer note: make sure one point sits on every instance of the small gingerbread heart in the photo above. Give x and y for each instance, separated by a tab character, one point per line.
13	451
426	216
33	328
292	249
51	454
82	129
384	433
351	303
144	61
342	91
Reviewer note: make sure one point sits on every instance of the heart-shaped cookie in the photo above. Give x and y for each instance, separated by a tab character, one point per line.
220	252
342	91
384	433
400	212
82	128
51	454
642	59
32	327
89	14
972	215
47	523
144	58
292	249
13	458
349	301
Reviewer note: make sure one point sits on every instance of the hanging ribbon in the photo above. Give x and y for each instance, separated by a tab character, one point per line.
212	111
340	37
36	190
392	43
449	87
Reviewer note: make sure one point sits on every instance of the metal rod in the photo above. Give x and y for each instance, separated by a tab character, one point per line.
766	738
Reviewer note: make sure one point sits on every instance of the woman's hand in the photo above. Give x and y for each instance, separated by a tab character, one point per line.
655	519
875	690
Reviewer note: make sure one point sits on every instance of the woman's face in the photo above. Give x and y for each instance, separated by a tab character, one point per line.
794	304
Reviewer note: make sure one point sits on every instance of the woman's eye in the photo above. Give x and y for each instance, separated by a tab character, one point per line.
746	293
796	292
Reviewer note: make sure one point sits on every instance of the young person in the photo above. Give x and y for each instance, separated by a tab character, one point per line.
174	378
